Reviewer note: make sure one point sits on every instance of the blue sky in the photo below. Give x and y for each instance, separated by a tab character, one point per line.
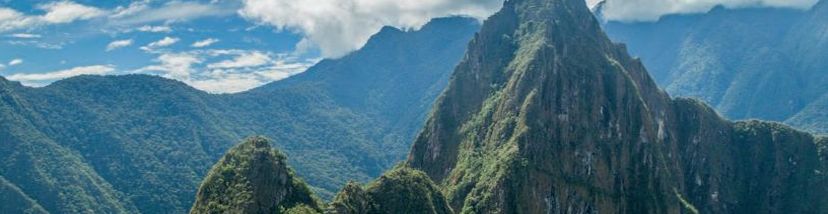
226	46
210	47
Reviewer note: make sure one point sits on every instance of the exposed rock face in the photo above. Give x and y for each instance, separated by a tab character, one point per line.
546	115
401	190
253	178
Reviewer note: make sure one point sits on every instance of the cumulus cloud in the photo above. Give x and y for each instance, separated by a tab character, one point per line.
155	29
25	36
652	10
11	19
166	41
130	10
340	26
67	11
205	43
118	44
246	69
142	12
251	59
40	79
60	12
15	62
175	65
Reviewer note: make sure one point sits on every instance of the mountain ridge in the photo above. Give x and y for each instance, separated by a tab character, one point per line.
148	141
748	63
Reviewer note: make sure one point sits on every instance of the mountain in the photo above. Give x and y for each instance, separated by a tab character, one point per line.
546	115
252	178
43	175
749	63
401	190
142	144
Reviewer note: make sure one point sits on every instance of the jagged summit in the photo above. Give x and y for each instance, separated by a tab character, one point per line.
546	114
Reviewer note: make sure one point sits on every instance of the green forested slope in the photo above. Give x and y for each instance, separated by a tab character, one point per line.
15	201
142	144
761	63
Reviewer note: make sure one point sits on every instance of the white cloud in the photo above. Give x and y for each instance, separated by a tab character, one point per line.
233	81
67	11
205	43
39	79
155	29
172	11
227	82
652	10
246	70
133	8
60	12
118	44
11	19
166	41
340	26
37	44
175	65
15	62
25	36
252	59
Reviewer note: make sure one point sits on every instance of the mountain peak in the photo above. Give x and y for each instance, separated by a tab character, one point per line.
546	114
252	178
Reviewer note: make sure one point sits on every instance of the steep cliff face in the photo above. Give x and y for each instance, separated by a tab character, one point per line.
546	115
253	178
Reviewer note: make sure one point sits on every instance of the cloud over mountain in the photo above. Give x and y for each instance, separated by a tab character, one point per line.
340	26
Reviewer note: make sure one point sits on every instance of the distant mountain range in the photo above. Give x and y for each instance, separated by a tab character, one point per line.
128	144
536	111
762	63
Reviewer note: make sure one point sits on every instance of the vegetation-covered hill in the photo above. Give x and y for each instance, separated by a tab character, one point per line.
761	63
129	144
253	178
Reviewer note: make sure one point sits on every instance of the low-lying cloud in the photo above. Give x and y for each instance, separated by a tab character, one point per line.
652	10
337	27
41	79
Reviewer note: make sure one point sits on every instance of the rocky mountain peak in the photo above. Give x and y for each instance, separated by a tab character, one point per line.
546	114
